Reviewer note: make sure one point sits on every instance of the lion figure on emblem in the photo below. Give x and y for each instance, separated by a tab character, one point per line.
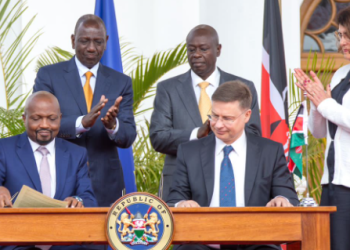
153	223
126	223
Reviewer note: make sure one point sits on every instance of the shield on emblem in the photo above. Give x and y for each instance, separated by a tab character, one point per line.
139	225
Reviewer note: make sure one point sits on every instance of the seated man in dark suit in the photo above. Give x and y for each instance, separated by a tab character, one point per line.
231	168
182	103
38	159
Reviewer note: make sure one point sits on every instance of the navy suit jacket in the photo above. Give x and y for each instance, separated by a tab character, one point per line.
266	175
18	168
63	81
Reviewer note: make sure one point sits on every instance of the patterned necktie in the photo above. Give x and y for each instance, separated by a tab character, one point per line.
227	181
88	91
45	176
204	101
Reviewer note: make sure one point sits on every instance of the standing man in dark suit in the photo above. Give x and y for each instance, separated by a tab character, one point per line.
231	168
96	103
38	159
182	103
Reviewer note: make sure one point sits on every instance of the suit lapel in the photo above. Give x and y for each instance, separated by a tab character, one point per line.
188	98
61	167
25	154
102	85
208	164
74	85
252	166
224	77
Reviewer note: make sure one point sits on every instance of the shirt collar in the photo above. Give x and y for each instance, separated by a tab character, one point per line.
213	79
82	69
238	146
50	147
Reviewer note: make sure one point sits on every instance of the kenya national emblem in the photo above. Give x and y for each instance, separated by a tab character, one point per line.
139	220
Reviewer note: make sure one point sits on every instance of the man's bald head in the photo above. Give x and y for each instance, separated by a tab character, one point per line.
42	95
202	50
42	117
204	29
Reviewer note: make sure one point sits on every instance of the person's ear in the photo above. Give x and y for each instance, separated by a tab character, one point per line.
72	37
247	115
218	50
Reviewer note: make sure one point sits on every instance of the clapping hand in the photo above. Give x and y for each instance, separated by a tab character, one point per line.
89	120
109	120
314	89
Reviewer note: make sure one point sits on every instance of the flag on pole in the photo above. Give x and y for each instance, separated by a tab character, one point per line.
112	58
274	101
298	139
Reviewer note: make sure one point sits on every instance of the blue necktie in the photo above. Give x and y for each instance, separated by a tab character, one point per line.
227	181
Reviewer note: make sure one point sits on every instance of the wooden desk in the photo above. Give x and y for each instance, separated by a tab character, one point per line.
303	228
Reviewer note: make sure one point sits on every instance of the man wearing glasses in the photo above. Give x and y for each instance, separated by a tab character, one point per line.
182	103
231	168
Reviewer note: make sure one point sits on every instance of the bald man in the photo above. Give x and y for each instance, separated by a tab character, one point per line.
181	105
43	162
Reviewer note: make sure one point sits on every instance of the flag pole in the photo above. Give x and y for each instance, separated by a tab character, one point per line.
306	150
307	201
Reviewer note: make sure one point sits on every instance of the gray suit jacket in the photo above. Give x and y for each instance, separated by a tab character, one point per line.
176	114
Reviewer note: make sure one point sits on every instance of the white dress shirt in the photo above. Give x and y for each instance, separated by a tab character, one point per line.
213	80
238	161
51	157
82	69
330	110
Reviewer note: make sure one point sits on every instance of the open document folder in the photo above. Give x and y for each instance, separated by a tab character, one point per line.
29	197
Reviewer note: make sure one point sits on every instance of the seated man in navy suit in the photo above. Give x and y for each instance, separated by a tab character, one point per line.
43	162
38	159
231	168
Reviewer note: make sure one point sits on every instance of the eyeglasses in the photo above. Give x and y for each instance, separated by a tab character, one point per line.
340	35
227	121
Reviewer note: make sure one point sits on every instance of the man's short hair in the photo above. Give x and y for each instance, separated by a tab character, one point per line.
233	91
89	18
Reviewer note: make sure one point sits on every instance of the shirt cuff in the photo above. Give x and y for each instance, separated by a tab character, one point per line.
79	128
177	203
194	134
112	132
282	197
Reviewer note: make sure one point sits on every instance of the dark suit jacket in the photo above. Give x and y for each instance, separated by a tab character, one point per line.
62	80
267	175
176	114
18	168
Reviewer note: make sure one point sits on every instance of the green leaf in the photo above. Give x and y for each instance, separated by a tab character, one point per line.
149	71
14	59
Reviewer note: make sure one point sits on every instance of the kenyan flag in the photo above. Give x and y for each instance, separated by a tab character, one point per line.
298	139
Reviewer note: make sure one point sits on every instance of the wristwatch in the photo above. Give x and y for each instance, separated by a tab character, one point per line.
78	199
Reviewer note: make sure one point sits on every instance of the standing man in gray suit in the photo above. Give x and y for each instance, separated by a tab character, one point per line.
182	103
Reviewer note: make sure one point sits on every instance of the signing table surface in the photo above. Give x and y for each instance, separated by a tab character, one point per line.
302	228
